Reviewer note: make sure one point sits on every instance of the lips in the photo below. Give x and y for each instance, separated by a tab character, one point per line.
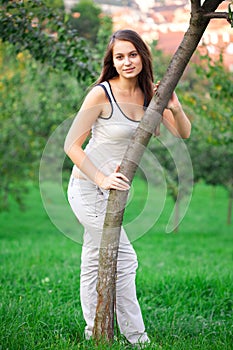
129	70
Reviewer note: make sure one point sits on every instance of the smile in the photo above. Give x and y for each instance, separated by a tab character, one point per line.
128	70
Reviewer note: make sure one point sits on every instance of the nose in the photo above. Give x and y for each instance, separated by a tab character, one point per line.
127	61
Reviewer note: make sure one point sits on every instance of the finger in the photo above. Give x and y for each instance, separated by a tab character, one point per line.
120	185
123	186
115	187
122	176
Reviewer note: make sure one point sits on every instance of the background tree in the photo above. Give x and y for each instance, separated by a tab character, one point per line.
46	34
55	4
210	100
103	35
44	73
214	165
211	143
34	99
174	159
160	61
85	18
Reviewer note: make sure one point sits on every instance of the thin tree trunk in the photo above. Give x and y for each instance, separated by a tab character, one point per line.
230	203
176	215
104	326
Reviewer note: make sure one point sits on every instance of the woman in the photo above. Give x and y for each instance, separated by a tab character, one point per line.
112	111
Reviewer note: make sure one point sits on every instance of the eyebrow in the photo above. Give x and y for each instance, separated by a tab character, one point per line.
120	53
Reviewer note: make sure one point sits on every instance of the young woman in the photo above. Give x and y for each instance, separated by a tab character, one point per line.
112	111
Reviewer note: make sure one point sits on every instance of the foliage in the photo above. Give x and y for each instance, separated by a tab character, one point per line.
34	100
173	157
210	101
230	14
211	141
55	3
39	96
85	18
212	163
45	33
104	33
160	61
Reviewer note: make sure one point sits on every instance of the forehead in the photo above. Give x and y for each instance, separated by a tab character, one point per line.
122	46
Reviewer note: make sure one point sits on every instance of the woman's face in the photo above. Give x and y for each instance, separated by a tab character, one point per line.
126	59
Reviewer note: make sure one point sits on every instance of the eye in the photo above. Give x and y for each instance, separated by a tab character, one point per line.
118	57
134	54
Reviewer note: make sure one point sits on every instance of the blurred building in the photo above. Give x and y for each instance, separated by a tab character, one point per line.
166	22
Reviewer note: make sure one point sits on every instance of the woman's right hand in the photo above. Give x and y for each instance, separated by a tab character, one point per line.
115	181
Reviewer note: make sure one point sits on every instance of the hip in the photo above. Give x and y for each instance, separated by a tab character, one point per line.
84	195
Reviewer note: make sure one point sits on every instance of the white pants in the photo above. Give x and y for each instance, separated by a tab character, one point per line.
88	203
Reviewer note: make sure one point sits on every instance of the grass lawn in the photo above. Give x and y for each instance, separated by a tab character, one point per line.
184	279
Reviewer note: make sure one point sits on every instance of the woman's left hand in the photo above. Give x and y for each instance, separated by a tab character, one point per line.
174	102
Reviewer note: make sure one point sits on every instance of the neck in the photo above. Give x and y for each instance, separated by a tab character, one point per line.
127	84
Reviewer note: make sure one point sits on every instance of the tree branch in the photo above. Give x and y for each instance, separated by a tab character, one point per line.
212	15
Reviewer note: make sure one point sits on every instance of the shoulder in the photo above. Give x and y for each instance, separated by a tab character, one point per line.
97	93
95	97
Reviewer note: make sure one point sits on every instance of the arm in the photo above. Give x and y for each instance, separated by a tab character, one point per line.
92	107
175	120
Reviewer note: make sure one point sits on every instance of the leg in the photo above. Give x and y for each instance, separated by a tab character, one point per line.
89	206
88	280
128	311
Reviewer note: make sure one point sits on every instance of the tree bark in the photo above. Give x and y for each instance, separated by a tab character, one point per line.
104	320
230	203
176	216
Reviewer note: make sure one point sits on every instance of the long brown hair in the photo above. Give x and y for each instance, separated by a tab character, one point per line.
145	77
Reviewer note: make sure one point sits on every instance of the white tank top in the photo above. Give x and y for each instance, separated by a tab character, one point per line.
110	136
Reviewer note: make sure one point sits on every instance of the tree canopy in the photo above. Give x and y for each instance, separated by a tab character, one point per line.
85	18
45	32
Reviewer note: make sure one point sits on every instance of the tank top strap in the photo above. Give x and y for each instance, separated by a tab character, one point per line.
105	85
108	91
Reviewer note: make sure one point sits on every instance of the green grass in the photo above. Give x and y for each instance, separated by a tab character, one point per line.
184	280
